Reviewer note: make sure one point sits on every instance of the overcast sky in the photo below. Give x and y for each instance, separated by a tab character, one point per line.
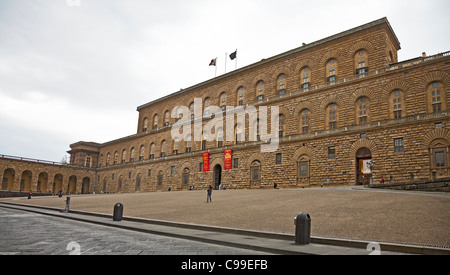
74	70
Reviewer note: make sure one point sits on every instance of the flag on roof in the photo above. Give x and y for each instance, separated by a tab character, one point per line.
233	55
213	62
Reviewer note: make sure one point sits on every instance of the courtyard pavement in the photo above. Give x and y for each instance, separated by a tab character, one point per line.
341	212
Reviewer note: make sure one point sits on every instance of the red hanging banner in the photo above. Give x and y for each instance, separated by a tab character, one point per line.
228	159
205	162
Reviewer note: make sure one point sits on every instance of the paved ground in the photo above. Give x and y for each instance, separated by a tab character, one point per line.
25	233
354	213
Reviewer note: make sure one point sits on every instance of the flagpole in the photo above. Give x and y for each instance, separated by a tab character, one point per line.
236	61
226	57
216	68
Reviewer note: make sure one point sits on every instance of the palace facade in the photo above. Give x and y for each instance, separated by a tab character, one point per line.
344	102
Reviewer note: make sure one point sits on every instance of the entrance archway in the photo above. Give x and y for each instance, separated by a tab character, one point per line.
8	179
57	183
217	176
85	186
363	173
25	181
72	188
42	182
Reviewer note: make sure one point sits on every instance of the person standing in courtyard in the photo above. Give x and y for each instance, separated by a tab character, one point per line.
209	194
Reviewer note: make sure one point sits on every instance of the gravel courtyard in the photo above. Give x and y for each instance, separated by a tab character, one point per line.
347	212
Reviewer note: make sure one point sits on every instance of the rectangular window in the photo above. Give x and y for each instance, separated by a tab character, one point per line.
201	167
236	163
203	145
303	169
362	120
149	172
438	125
278	158
436	108
397	114
172	170
305	85
439	158
398	145
331	152
255	173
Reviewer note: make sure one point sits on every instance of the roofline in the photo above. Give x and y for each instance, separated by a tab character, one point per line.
372	24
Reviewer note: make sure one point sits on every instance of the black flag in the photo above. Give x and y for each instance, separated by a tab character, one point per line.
233	55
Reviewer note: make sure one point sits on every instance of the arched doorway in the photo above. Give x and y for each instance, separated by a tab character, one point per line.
8	179
85	186
217	176
25	181
72	188
57	183
363	173
42	182
185	179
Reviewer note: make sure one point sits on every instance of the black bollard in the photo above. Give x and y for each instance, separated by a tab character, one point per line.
302	228
118	212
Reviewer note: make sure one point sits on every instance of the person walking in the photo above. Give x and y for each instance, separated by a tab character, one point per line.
208	194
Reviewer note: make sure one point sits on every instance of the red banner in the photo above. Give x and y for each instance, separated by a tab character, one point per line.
205	162
228	159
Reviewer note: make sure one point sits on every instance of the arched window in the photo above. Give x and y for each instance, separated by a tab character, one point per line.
155	122
191	108
163	148
281	84
240	96
166	118
257	130
219	137
116	157
362	110
397	104
260	90
361	62
305	78
175	146
108	159
145	125
223	101
124	155
189	144
436	98
281	125
332	70
332	116
304	121
133	154
239	133
141	156
207	104
152	151
255	171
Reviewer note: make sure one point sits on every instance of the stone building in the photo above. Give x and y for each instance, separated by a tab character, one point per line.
344	101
